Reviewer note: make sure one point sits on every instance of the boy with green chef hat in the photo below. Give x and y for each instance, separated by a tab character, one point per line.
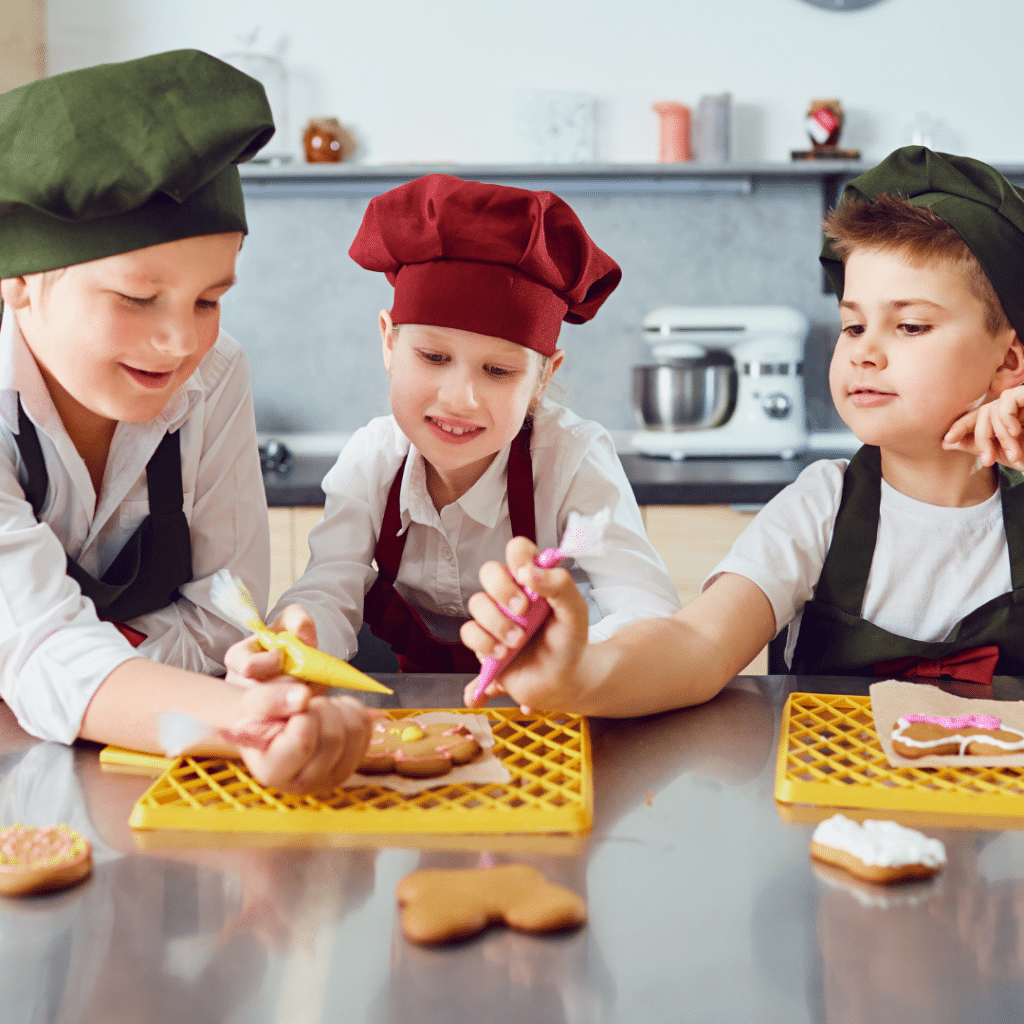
905	561
129	471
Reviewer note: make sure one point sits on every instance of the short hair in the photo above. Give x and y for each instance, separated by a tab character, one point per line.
890	223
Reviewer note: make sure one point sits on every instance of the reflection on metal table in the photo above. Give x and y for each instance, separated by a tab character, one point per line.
703	902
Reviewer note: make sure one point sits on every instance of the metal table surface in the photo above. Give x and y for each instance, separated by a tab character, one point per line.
703	902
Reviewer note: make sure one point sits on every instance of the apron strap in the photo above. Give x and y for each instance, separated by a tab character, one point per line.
1011	492
35	465
390	617
844	576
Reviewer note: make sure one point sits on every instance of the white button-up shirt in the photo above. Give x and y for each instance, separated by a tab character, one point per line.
54	650
575	468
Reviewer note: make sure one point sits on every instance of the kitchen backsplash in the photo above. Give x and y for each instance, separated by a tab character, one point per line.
307	314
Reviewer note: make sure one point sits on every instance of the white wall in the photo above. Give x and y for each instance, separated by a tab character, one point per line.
435	80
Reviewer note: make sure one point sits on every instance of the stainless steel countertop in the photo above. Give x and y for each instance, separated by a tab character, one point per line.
703	902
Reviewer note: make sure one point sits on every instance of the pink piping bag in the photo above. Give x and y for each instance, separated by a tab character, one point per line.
584	535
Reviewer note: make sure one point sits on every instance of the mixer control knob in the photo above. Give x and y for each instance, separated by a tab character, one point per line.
777	406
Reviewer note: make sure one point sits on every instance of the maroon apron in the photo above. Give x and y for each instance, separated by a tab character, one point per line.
389	616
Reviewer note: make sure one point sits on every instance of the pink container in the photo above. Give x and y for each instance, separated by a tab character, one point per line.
675	132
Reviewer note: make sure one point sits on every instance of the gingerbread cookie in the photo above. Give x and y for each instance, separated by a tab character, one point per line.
420	751
447	905
918	735
41	859
877	851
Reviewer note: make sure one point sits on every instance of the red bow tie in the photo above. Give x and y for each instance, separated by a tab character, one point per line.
974	665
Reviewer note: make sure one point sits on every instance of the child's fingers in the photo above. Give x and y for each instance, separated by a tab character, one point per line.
296	620
962	428
275	700
345	727
475	636
500	586
469	697
247	658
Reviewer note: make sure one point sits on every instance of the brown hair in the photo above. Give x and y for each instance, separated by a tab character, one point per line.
892	224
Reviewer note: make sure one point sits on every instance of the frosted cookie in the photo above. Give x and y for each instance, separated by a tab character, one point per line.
877	851
441	905
918	735
420	751
41	859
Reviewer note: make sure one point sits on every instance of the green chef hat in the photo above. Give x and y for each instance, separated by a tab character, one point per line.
122	156
984	209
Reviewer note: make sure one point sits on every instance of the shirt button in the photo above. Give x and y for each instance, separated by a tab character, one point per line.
449	554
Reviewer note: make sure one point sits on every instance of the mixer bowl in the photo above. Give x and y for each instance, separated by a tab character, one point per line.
685	394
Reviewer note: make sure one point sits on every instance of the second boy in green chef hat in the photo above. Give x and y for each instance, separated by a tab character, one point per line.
906	561
129	471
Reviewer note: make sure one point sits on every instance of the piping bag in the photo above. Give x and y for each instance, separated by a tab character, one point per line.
233	599
584	535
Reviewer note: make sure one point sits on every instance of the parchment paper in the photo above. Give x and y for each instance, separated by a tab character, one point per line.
486	767
892	699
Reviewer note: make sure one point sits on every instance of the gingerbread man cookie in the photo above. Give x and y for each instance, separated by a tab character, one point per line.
408	747
918	735
41	859
441	905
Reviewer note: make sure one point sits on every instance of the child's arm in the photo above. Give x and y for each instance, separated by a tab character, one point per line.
992	432
320	746
646	667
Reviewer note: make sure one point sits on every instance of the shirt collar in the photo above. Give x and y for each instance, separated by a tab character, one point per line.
20	374
482	502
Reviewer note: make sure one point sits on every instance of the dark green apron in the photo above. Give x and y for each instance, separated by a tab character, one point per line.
835	640
156	559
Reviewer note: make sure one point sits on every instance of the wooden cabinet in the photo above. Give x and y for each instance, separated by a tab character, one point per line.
289	545
692	539
22	43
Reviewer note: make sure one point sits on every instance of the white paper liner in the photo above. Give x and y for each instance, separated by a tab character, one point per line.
894	698
485	768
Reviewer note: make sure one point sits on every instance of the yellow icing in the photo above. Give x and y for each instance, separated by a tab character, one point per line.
412	732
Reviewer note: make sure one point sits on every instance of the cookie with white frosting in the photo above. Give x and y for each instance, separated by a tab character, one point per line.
877	851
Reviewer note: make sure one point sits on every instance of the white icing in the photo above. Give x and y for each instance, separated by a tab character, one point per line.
964	740
880	843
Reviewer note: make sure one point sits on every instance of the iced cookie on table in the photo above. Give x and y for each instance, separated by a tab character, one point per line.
36	860
877	851
445	905
918	735
410	748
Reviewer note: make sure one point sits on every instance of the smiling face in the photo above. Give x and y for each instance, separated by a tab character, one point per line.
114	338
914	352
460	397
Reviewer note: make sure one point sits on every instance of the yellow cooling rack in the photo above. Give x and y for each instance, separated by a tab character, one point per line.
551	790
829	755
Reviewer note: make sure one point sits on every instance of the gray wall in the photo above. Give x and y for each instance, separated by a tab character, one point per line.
307	315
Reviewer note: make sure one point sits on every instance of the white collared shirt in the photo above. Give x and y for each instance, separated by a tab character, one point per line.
575	468
54	650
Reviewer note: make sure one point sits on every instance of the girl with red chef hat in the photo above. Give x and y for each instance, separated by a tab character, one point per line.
473	453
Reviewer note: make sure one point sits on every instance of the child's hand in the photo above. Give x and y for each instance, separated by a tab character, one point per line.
320	746
993	432
246	661
544	675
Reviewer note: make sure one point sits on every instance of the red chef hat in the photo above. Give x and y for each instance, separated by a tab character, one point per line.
505	262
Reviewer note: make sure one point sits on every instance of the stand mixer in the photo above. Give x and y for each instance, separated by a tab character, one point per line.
728	381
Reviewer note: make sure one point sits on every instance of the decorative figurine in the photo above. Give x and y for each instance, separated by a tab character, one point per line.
327	141
824	124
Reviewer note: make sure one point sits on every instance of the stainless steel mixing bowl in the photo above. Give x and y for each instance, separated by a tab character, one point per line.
685	394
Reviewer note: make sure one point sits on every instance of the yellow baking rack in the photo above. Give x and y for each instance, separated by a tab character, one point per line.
551	790
829	755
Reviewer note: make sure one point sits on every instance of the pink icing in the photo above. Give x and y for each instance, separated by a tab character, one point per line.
960	722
